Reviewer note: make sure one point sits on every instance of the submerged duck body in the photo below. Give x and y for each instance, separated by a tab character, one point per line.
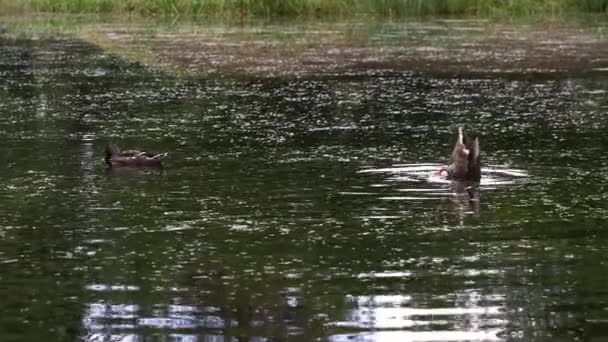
465	162
114	157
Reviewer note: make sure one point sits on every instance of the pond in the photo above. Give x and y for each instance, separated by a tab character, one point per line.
298	207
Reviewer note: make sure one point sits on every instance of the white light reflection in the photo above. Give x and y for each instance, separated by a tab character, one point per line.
399	318
410	336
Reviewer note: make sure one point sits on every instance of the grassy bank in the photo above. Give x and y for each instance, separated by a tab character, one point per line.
310	8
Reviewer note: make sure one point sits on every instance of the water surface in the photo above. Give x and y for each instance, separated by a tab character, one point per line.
296	208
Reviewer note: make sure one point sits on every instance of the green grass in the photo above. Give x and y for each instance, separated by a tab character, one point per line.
310	8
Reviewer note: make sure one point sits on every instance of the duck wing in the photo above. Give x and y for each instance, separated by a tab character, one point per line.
130	153
140	153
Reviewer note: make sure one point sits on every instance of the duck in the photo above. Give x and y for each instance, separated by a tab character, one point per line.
465	162
114	157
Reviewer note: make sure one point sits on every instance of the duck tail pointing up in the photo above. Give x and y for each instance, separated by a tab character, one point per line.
462	141
460	136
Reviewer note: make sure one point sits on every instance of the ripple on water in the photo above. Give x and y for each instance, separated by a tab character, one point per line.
424	185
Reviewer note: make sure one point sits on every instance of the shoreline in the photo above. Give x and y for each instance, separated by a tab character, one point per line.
292	9
467	48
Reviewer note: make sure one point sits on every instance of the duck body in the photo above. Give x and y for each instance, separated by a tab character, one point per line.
114	157
465	162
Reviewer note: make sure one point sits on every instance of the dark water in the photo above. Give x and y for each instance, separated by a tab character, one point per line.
296	209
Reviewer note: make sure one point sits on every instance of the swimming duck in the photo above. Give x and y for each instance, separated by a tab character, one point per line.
134	158
464	164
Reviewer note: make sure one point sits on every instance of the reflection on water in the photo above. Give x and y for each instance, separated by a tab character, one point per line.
286	210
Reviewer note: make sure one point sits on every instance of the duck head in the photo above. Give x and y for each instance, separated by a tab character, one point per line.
111	150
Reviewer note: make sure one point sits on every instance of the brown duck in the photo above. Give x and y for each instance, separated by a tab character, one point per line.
134	158
465	163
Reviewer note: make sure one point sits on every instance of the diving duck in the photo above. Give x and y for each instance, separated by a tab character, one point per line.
464	164
134	158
